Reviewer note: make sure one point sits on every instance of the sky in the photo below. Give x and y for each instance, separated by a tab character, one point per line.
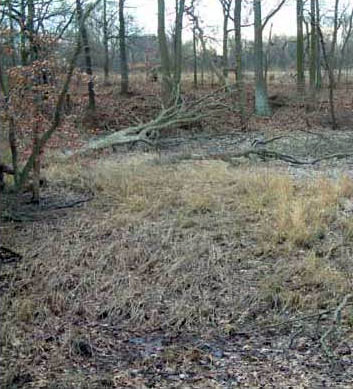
284	22
145	12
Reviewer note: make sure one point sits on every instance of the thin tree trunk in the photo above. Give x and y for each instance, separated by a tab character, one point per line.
238	60
262	106
88	58
300	48
12	127
33	50
313	46
105	44
194	49
23	50
225	43
346	38
167	85
318	51
268	53
180	7
124	69
329	69
12	40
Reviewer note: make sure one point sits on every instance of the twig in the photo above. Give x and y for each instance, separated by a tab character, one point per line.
336	322
296	320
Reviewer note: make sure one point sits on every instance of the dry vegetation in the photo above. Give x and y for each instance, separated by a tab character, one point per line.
127	290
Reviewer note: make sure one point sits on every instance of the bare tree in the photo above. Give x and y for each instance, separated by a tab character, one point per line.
179	15
122	46
300	47
347	34
226	7
105	43
329	59
262	106
239	60
167	84
88	58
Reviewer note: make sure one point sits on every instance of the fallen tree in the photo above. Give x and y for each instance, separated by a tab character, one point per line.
179	114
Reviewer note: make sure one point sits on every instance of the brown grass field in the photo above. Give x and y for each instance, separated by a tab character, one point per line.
139	271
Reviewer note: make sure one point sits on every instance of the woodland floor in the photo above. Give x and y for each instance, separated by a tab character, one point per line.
147	269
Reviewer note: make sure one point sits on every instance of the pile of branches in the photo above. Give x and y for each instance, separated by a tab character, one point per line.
179	114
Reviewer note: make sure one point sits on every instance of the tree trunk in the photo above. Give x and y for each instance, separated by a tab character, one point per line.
12	127
180	6
12	39
318	51
88	58
262	106
167	85
268	54
124	69
194	49
105	44
225	43
238	60
23	50
313	47
300	48
33	47
334	43
347	36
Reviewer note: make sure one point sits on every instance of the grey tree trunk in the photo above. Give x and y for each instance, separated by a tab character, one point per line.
105	43
313	46
318	51
300	48
12	39
238	60
23	50
330	63
262	106
167	84
194	49
88	58
180	7
346	38
225	43
122	50
33	50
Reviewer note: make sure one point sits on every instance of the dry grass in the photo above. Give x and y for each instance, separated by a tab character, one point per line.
192	246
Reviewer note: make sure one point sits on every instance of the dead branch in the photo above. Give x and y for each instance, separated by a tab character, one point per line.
335	323
172	117
264	154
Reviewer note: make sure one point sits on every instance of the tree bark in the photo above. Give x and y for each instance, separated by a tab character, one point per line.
313	46
167	84
238	60
180	7
347	36
33	50
88	58
105	44
300	48
262	106
225	42
122	50
23	50
194	49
